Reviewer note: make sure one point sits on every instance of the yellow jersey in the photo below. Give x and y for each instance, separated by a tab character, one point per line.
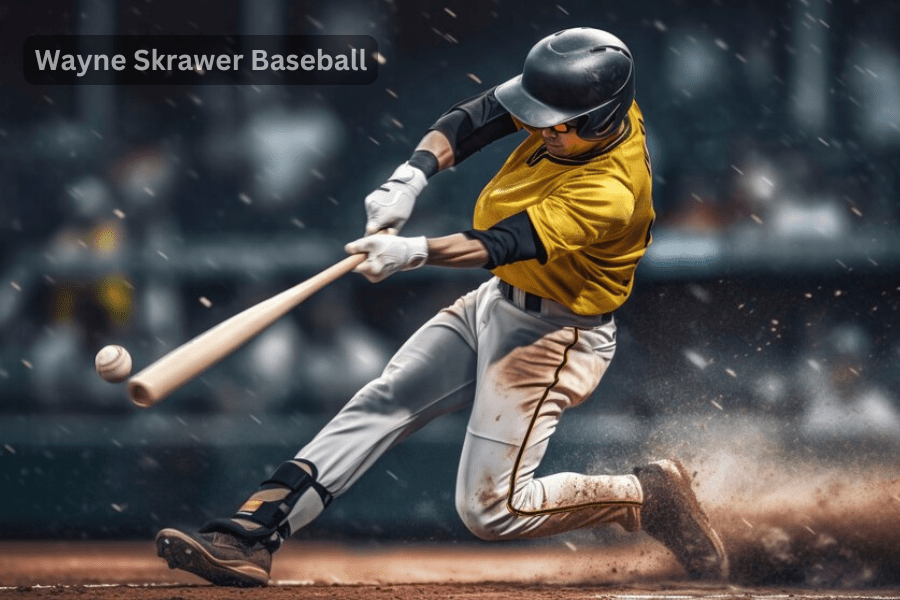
593	214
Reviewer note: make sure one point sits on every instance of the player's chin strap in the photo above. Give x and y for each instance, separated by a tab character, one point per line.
285	502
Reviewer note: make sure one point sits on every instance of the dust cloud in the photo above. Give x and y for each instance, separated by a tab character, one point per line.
793	510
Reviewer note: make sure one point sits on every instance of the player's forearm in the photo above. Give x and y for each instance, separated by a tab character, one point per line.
456	251
438	144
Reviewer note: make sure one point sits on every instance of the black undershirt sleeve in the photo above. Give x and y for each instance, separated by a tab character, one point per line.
511	240
474	123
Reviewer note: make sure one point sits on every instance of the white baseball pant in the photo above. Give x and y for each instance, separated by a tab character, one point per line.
518	371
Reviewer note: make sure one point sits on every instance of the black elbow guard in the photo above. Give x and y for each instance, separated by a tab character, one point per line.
511	240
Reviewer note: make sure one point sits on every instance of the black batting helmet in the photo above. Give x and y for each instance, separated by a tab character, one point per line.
581	73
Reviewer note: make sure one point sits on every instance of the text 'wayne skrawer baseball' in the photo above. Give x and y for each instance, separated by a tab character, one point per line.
355	60
199	60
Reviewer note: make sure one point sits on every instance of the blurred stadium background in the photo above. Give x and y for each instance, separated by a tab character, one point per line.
144	215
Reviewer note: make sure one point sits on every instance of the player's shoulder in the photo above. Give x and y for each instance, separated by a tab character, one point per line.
636	131
635	110
632	131
624	159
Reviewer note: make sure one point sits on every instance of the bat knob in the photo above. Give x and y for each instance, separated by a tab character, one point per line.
140	395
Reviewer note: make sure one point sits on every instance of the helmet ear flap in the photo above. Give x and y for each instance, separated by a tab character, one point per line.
597	125
581	124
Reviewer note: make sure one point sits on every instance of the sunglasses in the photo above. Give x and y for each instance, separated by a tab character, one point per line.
564	127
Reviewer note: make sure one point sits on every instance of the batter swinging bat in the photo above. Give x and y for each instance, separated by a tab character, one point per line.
192	358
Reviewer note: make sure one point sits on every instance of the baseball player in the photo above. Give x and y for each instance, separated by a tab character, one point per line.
561	227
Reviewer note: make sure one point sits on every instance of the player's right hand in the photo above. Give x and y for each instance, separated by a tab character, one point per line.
388	254
388	208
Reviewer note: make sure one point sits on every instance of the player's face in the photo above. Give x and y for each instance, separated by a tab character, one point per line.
561	140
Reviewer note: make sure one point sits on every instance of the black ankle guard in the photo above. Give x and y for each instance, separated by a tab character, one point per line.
271	516
270	540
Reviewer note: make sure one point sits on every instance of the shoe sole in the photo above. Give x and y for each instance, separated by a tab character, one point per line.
183	552
698	514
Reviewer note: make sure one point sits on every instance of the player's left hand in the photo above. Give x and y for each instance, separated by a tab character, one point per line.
388	254
389	207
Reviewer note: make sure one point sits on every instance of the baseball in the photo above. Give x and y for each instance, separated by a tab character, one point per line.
113	363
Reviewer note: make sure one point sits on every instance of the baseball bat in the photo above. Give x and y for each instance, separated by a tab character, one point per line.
185	362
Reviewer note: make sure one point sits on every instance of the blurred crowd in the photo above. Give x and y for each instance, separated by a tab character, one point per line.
143	216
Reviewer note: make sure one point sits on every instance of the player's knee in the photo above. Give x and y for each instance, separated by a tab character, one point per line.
484	517
480	526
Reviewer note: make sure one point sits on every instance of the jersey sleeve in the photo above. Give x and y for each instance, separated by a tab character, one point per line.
474	123
581	213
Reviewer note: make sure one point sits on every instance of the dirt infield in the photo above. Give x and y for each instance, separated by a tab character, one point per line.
641	571
317	564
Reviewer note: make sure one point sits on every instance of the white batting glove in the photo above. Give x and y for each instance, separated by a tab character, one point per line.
389	206
388	254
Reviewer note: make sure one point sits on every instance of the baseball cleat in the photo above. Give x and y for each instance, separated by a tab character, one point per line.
671	514
220	558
